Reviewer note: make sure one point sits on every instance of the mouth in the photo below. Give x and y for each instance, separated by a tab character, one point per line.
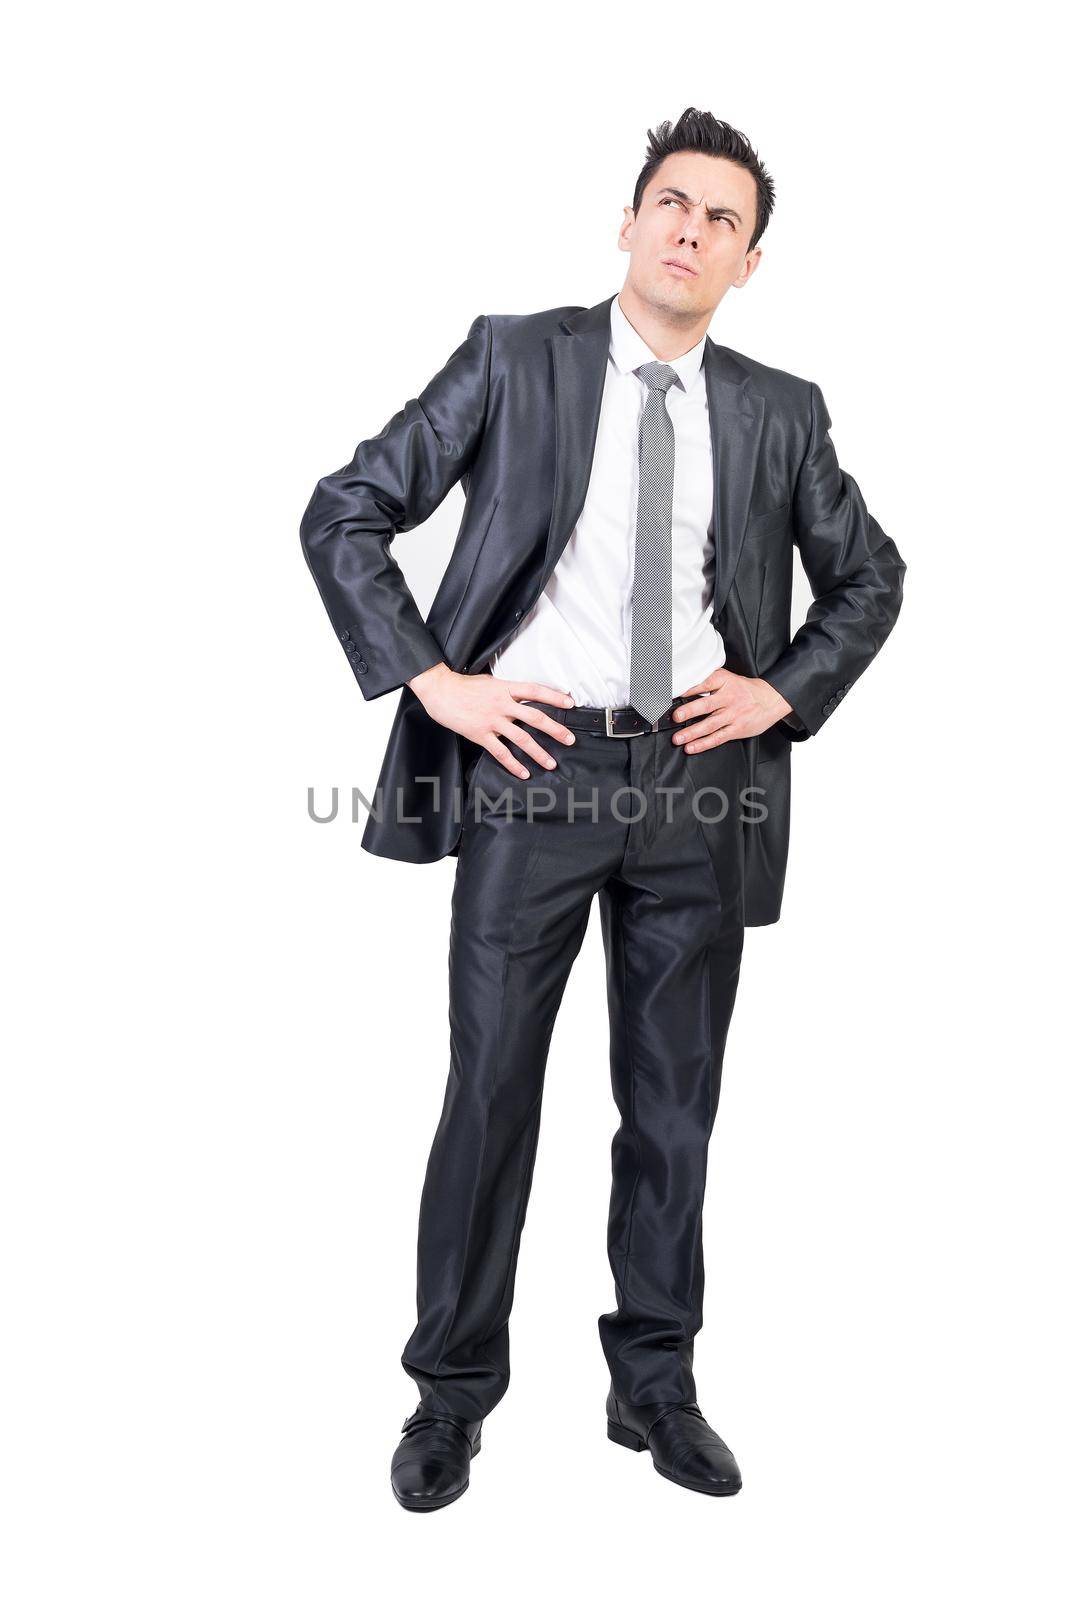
673	264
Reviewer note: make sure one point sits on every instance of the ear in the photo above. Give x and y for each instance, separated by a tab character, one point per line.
752	261
625	227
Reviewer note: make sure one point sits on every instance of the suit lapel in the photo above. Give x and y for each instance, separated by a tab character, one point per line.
736	420
580	359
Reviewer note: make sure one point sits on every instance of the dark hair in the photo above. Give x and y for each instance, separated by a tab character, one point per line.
701	131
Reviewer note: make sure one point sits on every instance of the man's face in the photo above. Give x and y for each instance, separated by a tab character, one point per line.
700	210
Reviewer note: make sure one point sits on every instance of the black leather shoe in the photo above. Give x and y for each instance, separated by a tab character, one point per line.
432	1464
682	1445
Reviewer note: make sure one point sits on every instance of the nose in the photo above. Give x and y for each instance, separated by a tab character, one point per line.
689	232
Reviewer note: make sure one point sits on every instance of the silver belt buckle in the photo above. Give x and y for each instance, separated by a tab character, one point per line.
631	733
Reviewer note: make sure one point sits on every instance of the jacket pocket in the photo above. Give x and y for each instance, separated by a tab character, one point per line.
767	523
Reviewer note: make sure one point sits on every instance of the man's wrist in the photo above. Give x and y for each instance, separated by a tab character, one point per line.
428	676
775	703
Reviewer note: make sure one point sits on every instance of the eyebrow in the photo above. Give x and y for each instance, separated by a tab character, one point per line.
712	211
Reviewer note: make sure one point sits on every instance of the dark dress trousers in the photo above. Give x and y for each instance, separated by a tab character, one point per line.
663	855
669	844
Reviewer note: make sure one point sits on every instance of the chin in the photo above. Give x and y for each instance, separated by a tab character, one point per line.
664	289
672	294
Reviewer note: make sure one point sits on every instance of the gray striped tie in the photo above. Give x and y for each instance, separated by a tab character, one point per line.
650	636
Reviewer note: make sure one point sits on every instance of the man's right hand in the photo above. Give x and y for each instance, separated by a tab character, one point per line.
482	707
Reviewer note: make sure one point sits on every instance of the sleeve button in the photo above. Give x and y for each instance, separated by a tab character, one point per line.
361	666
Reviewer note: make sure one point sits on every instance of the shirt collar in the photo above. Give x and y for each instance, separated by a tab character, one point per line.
629	350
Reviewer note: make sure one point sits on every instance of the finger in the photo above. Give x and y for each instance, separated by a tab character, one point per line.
728	731
500	750
531	746
542	720
715	680
694	708
701	730
538	691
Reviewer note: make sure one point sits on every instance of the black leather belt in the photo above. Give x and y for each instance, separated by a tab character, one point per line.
614	722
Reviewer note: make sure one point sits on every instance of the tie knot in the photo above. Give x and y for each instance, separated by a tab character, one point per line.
658	375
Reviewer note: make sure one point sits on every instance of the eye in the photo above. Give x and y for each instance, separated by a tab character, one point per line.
669	200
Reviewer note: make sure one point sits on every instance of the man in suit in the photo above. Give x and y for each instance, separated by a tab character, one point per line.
614	618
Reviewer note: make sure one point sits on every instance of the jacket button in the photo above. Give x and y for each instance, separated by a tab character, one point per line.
519	613
361	666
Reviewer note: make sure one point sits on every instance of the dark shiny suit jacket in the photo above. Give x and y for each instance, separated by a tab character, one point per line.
513	417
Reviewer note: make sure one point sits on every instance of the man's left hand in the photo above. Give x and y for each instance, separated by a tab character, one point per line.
730	707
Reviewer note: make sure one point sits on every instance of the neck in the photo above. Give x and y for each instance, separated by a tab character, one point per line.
667	333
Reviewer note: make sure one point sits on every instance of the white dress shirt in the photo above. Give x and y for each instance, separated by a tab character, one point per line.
577	636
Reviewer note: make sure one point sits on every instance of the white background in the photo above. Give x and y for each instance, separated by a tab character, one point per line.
240	238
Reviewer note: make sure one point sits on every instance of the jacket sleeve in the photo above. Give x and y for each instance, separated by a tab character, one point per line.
393	482
856	576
